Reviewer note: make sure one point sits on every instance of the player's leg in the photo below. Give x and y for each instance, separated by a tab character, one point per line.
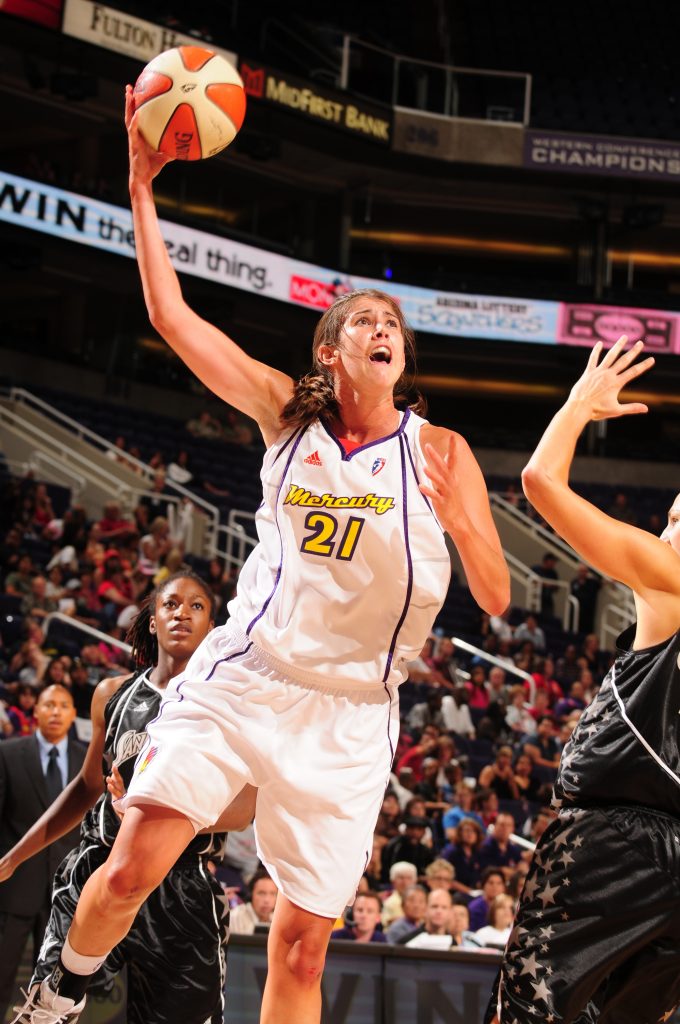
175	950
296	953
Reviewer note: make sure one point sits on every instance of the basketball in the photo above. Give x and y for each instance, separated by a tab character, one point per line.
190	102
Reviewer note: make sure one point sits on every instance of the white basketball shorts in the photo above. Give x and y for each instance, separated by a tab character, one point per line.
320	757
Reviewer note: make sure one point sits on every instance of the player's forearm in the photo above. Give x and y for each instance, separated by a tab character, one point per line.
548	468
61	817
485	568
160	283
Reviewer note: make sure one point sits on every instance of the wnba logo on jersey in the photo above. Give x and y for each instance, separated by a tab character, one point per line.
146	760
129	745
377	466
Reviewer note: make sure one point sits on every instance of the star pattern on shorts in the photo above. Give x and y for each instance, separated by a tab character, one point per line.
530	965
548	894
530	887
541	990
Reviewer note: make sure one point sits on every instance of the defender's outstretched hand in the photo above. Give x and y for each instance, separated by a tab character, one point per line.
145	162
597	390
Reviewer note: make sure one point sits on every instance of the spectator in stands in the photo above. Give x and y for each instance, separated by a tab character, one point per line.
585	587
54	587
542	747
409	847
499	776
590	651
389	817
414	756
462	808
37	604
19	581
460	926
477	690
116	591
498	849
574	701
428	712
530	630
567	668
10	552
428	787
500	625
154	546
620	509
156	501
117	452
546	571
56	674
497	687
540	707
236	429
544	680
456	713
178	470
445	660
81	691
485	803
113	528
493	884
518	717
74	529
29	663
414	901
504	653
259	909
402	876
463	854
440	874
43	513
205	426
435	931
21	713
422	669
365	921
526	779
496	933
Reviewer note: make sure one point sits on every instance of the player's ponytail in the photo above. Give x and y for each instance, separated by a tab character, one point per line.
314	394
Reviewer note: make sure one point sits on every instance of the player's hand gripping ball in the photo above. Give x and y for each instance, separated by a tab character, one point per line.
190	102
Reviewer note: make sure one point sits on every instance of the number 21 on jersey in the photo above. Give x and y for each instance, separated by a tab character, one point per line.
321	538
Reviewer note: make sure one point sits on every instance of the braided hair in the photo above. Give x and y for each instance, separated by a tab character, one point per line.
144	643
314	394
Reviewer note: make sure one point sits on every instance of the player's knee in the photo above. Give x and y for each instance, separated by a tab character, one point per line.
128	880
306	960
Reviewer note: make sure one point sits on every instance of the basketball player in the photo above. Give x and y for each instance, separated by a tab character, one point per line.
167	980
297	693
597	933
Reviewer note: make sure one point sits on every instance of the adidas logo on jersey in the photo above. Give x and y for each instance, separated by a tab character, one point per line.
314	459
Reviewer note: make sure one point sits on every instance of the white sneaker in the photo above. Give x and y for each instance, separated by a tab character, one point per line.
43	1006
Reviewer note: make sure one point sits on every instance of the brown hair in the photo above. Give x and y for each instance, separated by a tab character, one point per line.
314	394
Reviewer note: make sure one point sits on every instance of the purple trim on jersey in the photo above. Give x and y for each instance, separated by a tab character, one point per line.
230	657
346	456
283	448
423	496
409	587
389	722
276	518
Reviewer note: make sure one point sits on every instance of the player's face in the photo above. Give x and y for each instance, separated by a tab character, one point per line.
370	350
671	535
182	618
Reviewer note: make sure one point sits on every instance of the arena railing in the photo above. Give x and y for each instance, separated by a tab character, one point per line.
83	627
498	662
146	472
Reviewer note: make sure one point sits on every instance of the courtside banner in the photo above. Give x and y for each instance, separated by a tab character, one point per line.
77	218
318	102
580	324
602	154
122	32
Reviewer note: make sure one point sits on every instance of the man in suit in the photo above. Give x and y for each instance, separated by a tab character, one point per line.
33	771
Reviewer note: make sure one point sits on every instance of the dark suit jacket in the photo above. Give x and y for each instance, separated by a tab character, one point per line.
23	799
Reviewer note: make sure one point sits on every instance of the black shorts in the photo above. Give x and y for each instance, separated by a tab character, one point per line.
174	952
597	933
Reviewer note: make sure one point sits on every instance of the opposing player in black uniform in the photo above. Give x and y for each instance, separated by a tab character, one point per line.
175	949
597	933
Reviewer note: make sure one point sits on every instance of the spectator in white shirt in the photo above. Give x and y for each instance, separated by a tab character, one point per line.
260	908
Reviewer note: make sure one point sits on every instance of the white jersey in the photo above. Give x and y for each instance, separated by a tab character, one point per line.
351	566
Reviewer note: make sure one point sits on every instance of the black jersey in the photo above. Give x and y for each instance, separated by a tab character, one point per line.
126	716
626	746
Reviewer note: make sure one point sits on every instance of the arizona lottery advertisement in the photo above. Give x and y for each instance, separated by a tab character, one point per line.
86	221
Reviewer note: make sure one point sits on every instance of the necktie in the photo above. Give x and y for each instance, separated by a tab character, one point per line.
53	776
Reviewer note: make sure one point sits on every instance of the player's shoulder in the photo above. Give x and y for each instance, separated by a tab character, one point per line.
109	688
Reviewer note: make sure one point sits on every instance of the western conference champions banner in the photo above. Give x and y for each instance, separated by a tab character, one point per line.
89	221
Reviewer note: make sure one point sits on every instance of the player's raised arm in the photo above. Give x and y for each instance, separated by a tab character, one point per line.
458	493
252	387
619	550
